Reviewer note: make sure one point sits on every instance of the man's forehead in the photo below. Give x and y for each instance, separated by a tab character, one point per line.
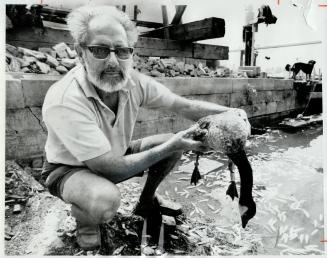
106	26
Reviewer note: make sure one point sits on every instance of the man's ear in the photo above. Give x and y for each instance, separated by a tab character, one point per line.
79	52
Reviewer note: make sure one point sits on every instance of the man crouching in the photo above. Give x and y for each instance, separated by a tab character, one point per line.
90	116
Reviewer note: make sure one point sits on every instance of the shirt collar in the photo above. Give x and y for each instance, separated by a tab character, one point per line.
88	88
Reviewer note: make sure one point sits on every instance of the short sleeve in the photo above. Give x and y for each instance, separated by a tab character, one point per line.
77	131
156	95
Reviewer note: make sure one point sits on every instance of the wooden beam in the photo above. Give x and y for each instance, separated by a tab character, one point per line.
193	31
148	24
173	48
55	11
135	12
205	51
36	38
165	21
180	9
58	15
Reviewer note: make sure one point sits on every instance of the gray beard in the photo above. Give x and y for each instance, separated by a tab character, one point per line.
108	86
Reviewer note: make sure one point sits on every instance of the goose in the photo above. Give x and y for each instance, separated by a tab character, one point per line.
227	132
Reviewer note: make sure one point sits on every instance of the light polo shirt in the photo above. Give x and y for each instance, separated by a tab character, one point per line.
81	127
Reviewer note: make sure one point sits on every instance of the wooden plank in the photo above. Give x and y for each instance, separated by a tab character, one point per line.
180	9
52	18
193	31
162	48
35	37
175	48
210	52
148	24
55	11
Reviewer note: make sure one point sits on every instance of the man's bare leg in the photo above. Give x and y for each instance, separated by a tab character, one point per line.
94	200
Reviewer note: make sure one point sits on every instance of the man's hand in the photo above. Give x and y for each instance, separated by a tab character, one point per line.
183	140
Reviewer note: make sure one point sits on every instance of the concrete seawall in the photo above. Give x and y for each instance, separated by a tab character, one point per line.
26	133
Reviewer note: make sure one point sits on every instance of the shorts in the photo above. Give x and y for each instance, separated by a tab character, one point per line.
55	175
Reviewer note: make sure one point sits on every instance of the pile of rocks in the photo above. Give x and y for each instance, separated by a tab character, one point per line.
170	67
61	58
20	186
56	60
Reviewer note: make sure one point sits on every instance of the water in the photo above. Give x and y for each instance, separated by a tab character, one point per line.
288	190
290	209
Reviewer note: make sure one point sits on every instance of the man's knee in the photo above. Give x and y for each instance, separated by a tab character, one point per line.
95	195
104	203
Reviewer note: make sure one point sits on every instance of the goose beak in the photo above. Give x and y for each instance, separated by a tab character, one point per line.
247	213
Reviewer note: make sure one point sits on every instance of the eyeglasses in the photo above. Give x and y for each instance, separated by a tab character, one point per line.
102	52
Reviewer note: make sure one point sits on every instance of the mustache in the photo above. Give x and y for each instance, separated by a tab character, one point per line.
113	70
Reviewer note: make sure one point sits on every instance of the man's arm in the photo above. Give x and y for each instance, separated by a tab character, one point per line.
119	168
195	109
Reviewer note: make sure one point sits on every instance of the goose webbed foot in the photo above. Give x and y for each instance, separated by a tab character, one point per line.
232	190
195	175
247	212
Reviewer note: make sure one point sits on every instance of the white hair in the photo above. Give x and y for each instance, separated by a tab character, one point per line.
78	21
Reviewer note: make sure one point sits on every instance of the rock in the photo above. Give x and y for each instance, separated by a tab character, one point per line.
168	62
145	71
25	70
200	68
17	208
36	54
23	62
172	73
71	53
156	73
14	64
29	60
60	49
68	63
220	72
44	68
53	72
147	250
199	72
168	221
12	50
45	50
136	58
179	67
51	61
61	69
189	67
161	69
25	177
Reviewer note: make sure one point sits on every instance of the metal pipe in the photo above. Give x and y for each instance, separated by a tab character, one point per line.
283	45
